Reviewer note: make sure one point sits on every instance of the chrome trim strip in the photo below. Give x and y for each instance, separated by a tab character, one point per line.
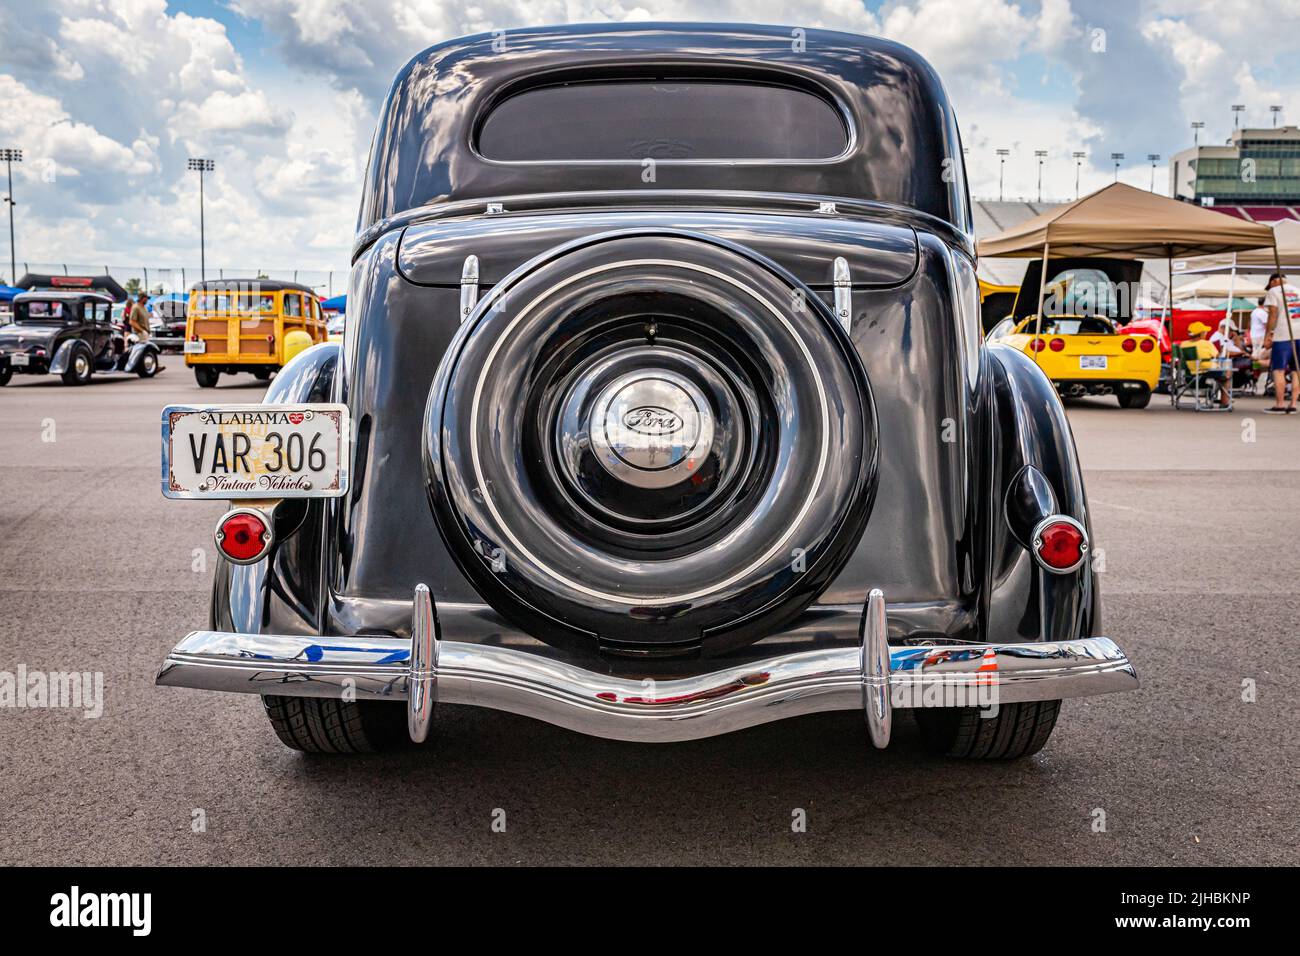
875	666
619	708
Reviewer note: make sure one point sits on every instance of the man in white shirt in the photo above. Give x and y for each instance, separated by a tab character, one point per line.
1282	361
1258	327
1259	354
1227	339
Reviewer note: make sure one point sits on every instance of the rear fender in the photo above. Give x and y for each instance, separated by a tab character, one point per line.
63	356
1036	473
137	352
286	587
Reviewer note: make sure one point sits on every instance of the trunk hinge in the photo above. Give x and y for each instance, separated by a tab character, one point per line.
843	294
468	287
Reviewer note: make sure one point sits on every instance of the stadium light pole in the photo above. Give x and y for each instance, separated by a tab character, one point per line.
1153	158
1276	110
1117	157
1237	110
1078	167
11	156
201	166
1002	167
1197	126
1042	155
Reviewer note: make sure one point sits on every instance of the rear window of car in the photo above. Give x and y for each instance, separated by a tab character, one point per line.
662	120
1087	326
1082	292
230	302
41	311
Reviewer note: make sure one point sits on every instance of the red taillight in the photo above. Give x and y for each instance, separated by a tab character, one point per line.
243	537
271	338
1056	345
1036	345
1129	343
1060	544
1147	344
194	337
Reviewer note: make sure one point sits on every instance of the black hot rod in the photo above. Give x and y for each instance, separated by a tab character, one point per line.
63	325
662	411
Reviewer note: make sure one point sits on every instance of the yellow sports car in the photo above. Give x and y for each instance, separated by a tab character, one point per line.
1084	355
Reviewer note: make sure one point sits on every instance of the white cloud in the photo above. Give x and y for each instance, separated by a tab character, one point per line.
113	95
107	100
249	112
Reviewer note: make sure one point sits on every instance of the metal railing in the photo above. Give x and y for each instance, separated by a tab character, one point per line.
166	279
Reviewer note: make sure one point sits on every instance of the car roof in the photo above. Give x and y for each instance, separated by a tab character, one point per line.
904	147
251	285
60	295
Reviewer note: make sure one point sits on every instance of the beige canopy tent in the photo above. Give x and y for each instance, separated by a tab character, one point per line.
1121	222
1286	234
1220	287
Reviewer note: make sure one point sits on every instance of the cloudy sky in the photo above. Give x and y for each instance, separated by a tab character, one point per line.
107	98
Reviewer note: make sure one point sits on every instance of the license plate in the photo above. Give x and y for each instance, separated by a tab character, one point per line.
20	358
1092	361
255	451
196	348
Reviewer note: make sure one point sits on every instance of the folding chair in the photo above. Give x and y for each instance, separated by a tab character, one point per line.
1198	380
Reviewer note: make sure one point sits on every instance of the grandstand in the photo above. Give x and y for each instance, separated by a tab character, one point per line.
1254	176
1266	214
992	217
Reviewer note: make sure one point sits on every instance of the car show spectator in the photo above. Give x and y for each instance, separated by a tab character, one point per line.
1258	326
1232	352
1207	364
1259	354
137	317
1282	360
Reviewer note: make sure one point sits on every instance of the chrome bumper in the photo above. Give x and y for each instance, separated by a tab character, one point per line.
873	677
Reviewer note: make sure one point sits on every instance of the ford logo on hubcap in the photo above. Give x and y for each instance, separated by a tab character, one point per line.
651	428
652	420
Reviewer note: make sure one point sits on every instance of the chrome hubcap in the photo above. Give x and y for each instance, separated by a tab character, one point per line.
651	428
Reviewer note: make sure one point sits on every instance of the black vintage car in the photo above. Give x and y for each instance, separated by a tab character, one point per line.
663	411
167	324
63	326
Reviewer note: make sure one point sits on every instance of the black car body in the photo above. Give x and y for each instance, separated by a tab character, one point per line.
63	326
167	329
671	414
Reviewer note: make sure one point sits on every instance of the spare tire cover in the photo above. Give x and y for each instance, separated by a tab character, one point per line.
656	442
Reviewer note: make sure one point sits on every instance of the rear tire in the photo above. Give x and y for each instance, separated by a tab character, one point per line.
262	374
1017	731
206	377
6	374
1134	399
325	725
80	367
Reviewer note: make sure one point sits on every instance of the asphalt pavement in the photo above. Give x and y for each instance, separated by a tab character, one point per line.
1198	516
